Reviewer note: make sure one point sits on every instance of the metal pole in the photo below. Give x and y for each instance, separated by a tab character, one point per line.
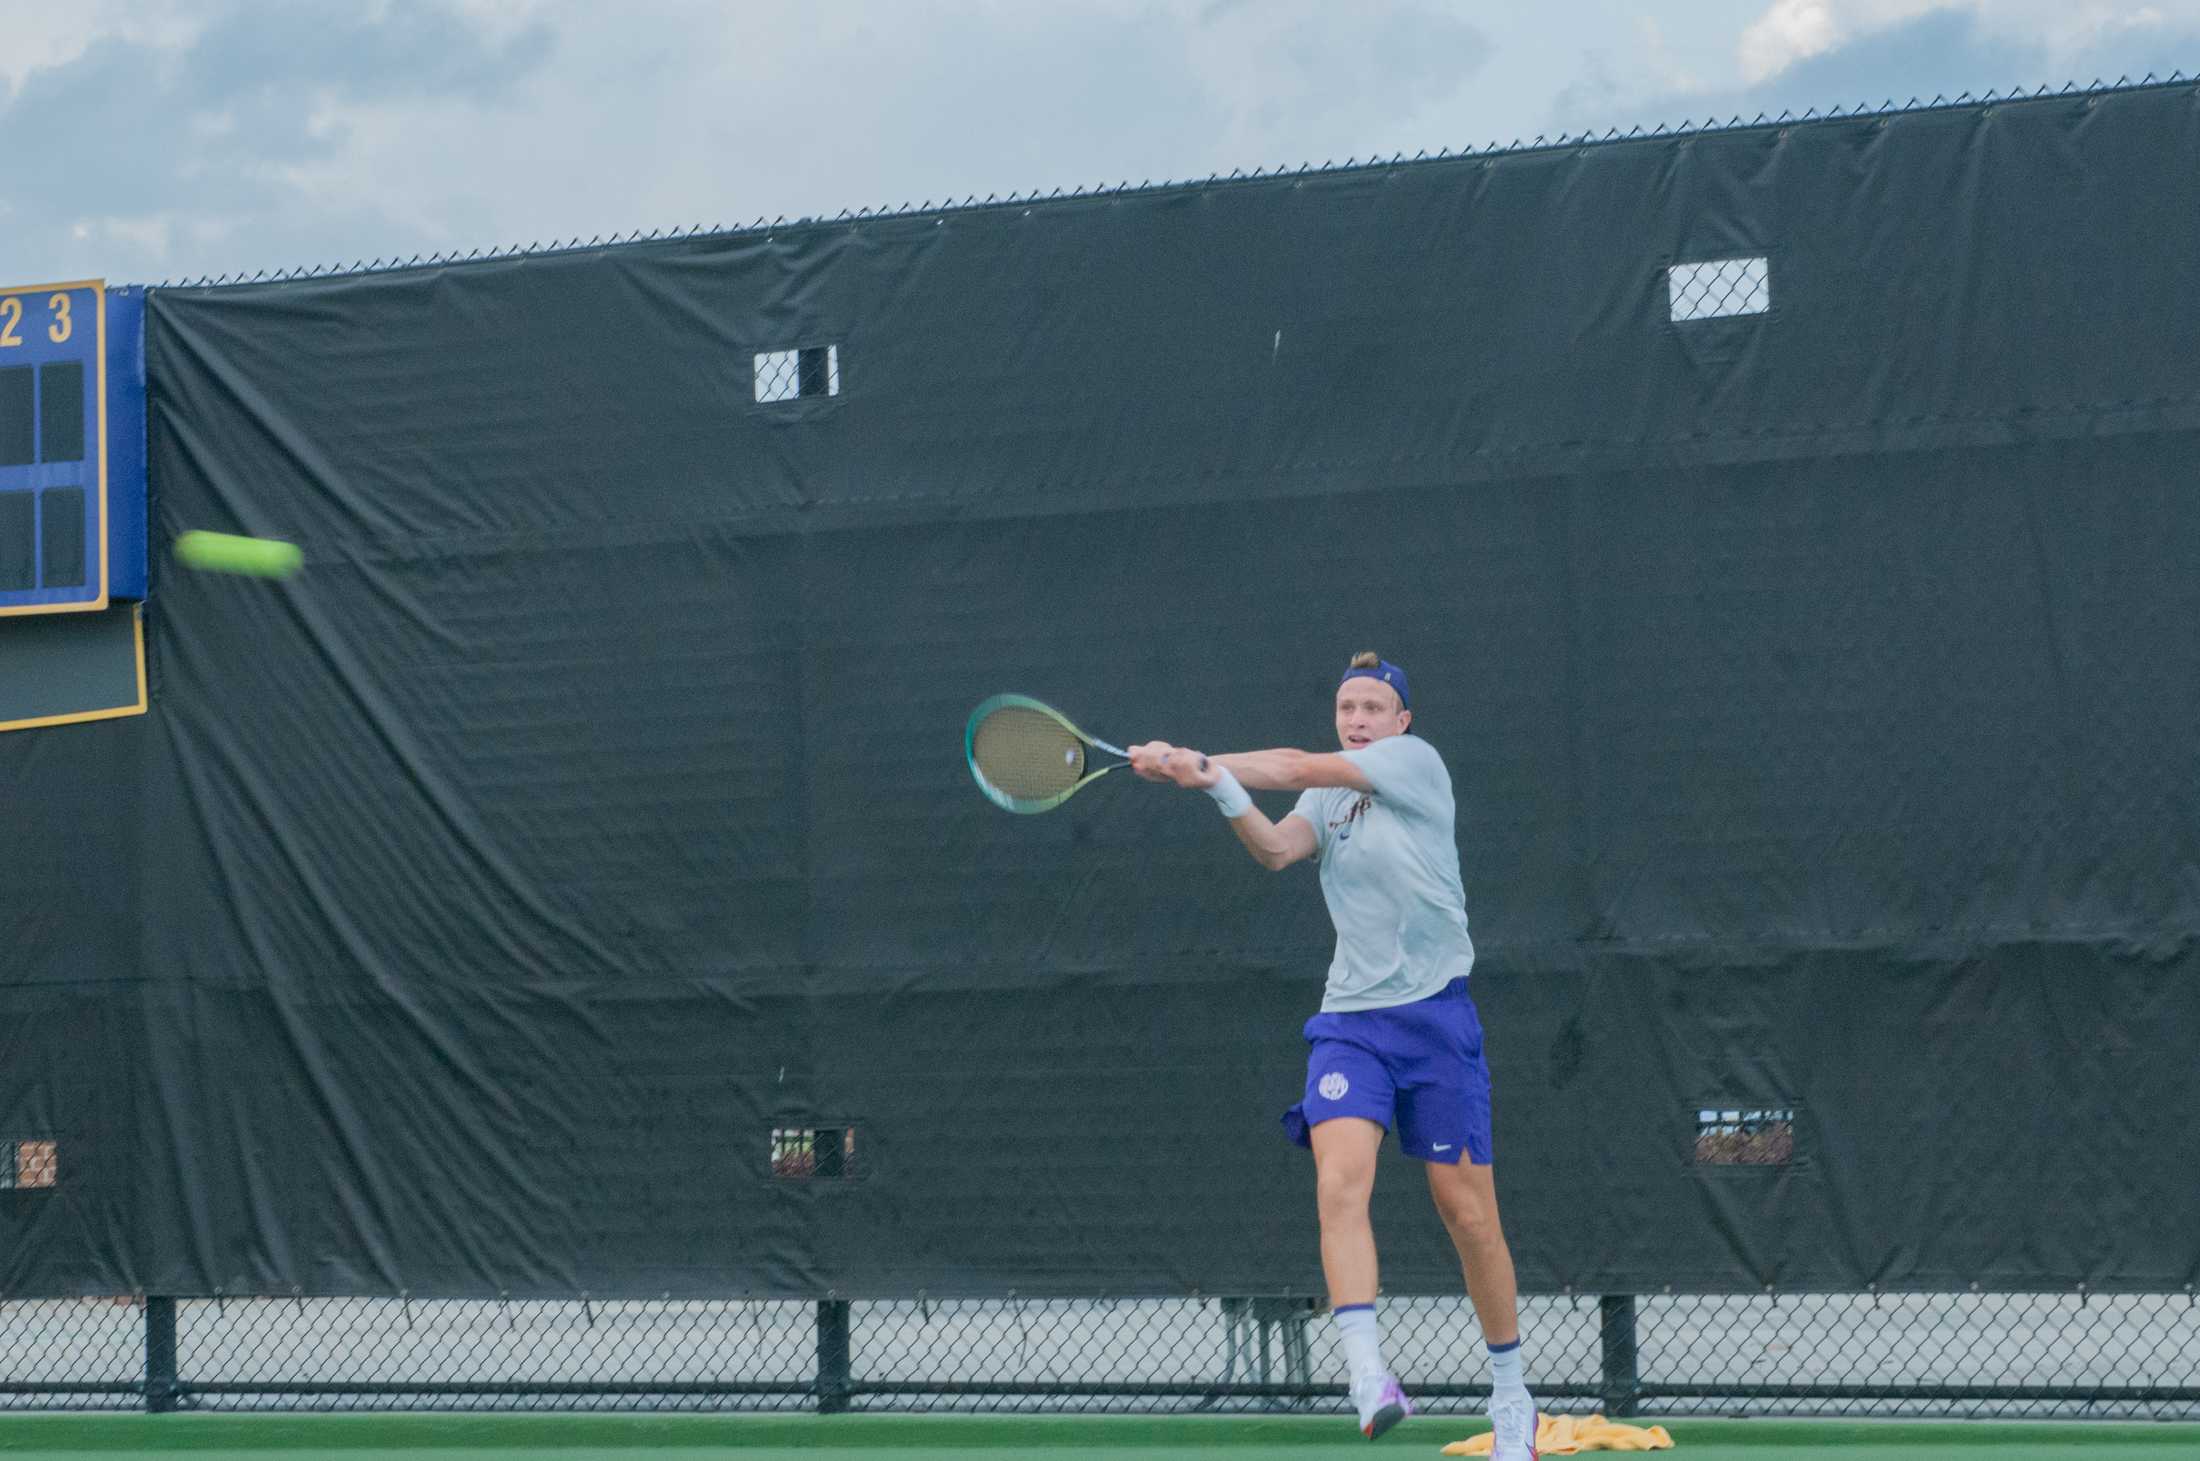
1622	1385
832	1356
160	1354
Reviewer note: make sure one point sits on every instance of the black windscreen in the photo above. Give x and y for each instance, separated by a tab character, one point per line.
1815	687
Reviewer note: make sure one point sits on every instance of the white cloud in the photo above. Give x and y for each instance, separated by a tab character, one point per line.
149	232
40	34
168	135
1796	30
1790	31
1656	61
2071	26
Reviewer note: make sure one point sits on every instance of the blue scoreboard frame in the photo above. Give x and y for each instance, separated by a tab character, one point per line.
64	535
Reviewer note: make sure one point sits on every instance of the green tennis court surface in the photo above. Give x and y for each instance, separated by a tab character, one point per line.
940	1438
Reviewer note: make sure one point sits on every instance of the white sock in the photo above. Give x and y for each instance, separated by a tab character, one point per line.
1506	1372
1363	1342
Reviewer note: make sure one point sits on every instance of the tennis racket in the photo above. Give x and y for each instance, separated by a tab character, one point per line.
1028	757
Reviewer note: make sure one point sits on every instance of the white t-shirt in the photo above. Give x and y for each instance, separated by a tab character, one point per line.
1390	874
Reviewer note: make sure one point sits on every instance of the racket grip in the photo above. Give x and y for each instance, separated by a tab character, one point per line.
1203	763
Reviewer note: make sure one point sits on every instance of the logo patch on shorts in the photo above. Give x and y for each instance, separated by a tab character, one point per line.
1333	1086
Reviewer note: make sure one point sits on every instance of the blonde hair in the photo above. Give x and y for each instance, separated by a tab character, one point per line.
1366	659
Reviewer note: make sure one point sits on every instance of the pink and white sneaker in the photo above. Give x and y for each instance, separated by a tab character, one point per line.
1512	1425
1382	1404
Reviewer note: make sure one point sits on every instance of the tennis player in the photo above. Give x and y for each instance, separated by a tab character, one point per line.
1397	1042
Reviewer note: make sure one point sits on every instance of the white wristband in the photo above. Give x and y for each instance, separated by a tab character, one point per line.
1230	796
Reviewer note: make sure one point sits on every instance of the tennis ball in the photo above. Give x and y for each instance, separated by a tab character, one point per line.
226	553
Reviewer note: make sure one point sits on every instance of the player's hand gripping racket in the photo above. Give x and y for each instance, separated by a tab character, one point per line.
1028	757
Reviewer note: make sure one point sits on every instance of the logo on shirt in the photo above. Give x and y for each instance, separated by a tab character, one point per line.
1333	1086
1341	827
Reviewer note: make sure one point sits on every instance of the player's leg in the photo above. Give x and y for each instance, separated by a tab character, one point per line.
1443	1114
1443	1105
1348	1105
1344	1183
1466	1200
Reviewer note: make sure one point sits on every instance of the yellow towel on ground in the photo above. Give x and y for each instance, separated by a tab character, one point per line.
1569	1435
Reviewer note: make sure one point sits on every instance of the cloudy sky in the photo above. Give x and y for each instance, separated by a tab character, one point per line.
150	139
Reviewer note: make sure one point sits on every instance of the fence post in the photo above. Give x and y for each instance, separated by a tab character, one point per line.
1621	1382
160	1354
832	1356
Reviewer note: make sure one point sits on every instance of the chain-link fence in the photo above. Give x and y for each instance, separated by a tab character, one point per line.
1999	1355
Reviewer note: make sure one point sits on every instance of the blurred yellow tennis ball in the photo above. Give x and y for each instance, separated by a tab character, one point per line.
227	553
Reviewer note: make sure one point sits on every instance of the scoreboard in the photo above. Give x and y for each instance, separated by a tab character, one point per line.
72	504
72	390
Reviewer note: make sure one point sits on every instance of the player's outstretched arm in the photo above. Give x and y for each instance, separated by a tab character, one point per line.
1273	845
1289	770
1278	770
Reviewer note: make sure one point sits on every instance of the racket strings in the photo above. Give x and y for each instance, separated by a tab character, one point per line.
1027	754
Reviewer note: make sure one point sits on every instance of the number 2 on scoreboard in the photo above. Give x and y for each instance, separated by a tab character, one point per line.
11	320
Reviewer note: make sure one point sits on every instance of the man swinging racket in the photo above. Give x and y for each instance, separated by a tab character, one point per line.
1397	1042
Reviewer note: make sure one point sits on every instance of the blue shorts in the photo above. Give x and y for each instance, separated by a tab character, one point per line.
1416	1066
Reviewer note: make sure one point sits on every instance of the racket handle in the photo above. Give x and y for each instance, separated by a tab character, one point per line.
1203	763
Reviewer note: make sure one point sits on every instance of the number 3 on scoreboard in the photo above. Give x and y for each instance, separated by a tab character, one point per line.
11	318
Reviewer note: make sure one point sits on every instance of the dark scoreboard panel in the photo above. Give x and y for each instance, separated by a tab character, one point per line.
72	397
